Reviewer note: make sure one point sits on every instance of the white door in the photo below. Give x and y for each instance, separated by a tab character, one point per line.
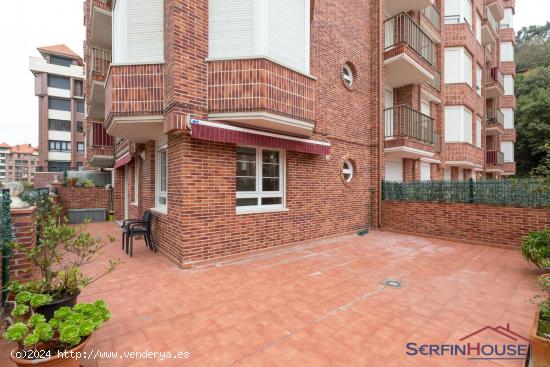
394	170
447	174
425	171
126	189
389	113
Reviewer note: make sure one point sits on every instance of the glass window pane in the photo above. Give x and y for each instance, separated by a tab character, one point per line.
247	202
272	201
270	170
246	184
164	171
270	184
246	154
162	200
270	156
246	168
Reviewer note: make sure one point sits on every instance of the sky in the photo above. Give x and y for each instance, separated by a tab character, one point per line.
51	22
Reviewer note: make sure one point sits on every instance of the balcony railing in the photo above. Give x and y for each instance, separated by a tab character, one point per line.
405	122
432	14
436	82
403	29
496	76
495	158
98	137
495	118
491	20
437	142
100	60
488	52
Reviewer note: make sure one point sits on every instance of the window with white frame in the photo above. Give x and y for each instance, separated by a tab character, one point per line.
508	85
478	27
458	124
260	179
479	79
161	182
136	182
506	52
508	117
507	147
508	21
458	11
458	66
279	30
478	132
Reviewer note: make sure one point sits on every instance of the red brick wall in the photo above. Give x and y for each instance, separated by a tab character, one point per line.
24	229
83	198
43	179
481	224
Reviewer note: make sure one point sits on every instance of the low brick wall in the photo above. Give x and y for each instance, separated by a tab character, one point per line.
23	224
43	179
498	226
83	198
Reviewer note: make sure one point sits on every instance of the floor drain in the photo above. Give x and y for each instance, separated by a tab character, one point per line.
393	283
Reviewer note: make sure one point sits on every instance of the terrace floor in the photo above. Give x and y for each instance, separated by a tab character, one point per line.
316	304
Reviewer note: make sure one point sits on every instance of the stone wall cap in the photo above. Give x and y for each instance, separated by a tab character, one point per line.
29	210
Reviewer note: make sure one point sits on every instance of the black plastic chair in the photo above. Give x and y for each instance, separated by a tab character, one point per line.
136	227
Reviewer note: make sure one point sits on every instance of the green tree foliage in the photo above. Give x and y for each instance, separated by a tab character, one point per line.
533	98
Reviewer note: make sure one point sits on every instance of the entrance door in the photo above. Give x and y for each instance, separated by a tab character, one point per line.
126	189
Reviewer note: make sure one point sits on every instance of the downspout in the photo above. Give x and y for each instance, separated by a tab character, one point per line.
381	82
5	229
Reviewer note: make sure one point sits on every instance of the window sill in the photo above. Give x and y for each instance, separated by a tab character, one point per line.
163	211
245	211
134	204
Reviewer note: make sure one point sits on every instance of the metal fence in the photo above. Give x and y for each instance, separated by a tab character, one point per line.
511	192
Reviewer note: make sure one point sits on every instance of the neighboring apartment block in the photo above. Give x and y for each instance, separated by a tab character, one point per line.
59	78
18	163
236	122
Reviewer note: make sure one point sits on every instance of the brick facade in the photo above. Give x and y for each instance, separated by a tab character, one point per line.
24	232
457	221
83	197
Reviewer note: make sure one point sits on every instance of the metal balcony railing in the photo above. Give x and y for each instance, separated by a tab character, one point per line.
98	137
495	158
99	63
403	29
436	82
437	142
497	76
432	14
405	122
495	118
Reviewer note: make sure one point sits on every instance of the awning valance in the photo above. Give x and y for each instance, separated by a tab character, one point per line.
212	131
122	161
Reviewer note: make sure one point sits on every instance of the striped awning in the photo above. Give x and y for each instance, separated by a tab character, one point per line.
213	131
122	161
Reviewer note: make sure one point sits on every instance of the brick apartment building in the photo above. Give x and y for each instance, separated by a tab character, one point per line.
18	163
59	78
236	122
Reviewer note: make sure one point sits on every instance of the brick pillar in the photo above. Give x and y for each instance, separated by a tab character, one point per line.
411	169
119	193
454	173
467	174
23	222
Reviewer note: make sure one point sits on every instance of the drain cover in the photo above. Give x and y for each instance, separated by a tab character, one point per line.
392	283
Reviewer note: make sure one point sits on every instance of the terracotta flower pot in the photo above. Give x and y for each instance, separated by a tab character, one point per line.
540	346
55	360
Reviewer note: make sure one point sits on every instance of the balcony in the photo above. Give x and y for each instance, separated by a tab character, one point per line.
495	121
409	133
436	82
263	95
488	53
394	7
464	155
101	146
489	29
100	27
432	15
409	55
98	65
495	160
494	85
496	7
134	102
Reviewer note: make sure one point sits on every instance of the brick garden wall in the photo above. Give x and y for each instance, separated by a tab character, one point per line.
482	224
24	234
82	197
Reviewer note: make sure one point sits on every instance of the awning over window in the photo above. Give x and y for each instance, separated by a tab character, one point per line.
212	131
122	161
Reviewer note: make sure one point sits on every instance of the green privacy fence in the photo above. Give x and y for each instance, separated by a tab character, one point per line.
5	239
511	192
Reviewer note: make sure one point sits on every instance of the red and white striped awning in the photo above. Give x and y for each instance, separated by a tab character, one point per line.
122	161
212	131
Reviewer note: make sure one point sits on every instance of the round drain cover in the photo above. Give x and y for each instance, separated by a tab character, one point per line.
392	283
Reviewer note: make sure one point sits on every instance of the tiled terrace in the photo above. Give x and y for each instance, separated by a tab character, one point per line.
317	304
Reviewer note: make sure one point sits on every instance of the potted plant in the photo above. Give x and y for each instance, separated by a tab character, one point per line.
56	342
61	252
540	333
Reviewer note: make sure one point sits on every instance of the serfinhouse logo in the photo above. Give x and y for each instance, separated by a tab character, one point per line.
499	343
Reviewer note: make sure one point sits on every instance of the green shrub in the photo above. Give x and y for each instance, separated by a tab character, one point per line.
535	248
88	183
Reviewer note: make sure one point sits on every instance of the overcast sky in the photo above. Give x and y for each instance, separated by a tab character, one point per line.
50	22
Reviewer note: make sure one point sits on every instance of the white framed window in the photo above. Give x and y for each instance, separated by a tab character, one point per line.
458	66
507	147
506	52
508	85
509	117
347	75
508	21
136	182
347	170
478	27
260	180
161	181
279	30
478	132
458	124
479	79
458	11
